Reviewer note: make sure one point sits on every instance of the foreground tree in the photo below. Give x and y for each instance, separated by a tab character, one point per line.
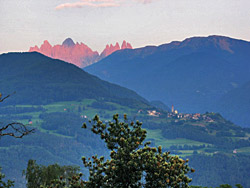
49	176
221	186
132	162
4	184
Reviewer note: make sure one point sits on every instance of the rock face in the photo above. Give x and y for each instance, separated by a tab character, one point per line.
68	42
110	48
79	54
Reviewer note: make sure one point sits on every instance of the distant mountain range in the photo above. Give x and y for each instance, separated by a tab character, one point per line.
38	79
77	53
198	74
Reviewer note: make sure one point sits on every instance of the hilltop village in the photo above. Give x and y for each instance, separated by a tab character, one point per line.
174	114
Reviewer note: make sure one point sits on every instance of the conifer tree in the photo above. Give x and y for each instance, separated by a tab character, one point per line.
132	162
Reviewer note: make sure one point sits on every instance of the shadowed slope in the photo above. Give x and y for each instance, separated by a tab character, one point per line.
38	79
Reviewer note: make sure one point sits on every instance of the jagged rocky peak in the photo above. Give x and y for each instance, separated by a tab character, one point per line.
68	42
77	53
117	46
126	45
112	48
46	44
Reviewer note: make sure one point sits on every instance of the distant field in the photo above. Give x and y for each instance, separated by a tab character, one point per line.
160	140
85	109
245	150
70	106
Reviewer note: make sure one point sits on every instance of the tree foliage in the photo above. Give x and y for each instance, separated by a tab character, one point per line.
46	176
221	186
3	184
132	162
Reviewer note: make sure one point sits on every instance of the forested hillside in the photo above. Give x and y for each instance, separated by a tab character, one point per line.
38	79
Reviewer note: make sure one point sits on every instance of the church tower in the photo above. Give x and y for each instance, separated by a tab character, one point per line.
172	108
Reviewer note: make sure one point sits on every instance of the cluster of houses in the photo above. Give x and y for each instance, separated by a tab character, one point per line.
196	116
153	113
175	114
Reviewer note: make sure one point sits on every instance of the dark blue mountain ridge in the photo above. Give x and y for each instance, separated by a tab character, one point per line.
38	79
236	104
193	74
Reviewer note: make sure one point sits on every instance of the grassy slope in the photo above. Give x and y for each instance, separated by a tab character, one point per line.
50	146
153	134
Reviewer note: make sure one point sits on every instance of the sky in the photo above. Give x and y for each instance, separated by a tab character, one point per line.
26	23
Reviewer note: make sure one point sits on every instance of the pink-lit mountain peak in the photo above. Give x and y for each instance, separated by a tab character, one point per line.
46	47
76	53
126	45
117	45
112	48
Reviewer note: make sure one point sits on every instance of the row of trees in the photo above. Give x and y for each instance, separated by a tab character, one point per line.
44	176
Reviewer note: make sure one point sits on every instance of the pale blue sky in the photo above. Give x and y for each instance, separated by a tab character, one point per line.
25	23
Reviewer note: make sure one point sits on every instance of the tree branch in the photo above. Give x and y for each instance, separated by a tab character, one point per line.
15	129
2	99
